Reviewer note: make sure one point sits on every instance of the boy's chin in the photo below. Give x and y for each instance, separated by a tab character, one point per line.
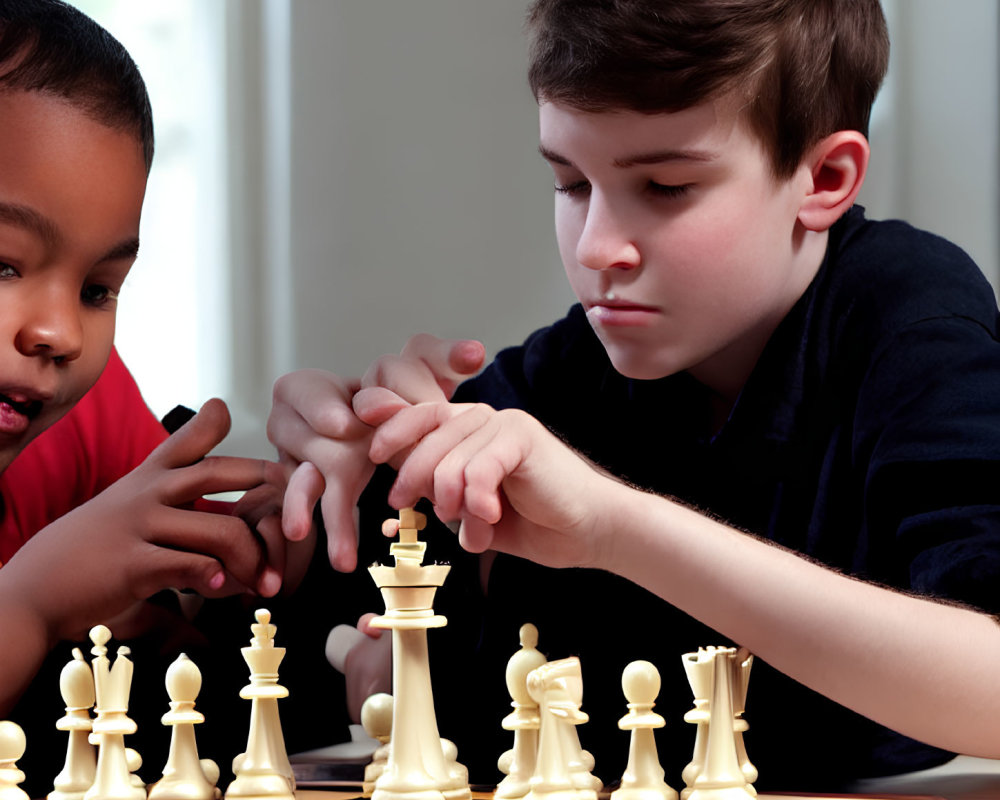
637	368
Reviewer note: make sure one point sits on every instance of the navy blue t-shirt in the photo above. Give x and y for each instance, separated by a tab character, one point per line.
867	437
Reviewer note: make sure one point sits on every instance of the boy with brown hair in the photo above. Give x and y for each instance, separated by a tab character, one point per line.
768	421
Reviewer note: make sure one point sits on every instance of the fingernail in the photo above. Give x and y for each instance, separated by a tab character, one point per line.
270	582
216	581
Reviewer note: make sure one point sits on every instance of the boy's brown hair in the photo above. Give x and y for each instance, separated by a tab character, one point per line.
802	68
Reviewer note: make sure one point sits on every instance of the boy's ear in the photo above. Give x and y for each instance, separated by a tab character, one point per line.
837	167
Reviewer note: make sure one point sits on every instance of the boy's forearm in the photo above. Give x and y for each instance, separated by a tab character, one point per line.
26	644
924	668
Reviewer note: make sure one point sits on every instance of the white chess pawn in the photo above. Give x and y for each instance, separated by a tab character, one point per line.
184	775
518	763
76	684
12	746
643	777
376	719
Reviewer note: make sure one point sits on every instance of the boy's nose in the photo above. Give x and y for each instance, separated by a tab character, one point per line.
604	242
52	328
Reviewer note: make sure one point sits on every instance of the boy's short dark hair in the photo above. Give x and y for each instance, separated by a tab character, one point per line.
804	68
50	47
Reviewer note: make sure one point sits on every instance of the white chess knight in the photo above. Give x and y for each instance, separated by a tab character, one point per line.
720	769
113	779
263	771
643	777
184	776
420	765
518	763
562	767
76	684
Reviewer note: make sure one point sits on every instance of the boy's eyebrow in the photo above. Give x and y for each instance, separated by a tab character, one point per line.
28	218
654	157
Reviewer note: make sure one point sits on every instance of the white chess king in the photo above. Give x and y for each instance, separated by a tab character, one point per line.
417	767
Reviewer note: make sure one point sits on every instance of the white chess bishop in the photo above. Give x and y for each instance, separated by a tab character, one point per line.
419	766
76	684
518	763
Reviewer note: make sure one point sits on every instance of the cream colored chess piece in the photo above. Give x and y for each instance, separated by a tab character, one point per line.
184	775
263	770
76	684
716	772
643	777
12	747
557	687
376	719
419	766
113	779
518	763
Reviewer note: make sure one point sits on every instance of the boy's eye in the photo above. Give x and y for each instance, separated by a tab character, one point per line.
574	188
98	295
667	190
7	271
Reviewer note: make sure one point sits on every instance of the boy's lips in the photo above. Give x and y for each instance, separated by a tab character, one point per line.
620	313
17	410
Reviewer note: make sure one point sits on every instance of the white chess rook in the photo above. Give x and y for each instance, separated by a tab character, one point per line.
417	767
720	775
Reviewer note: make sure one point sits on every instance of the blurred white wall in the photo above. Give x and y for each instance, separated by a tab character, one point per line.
381	177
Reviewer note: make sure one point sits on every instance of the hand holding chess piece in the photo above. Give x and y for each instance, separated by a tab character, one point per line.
643	778
12	746
184	776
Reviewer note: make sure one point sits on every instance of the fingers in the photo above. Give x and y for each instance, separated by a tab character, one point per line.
220	547
305	487
196	437
428	369
319	400
216	474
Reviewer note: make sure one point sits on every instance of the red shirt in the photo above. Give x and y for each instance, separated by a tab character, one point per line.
103	437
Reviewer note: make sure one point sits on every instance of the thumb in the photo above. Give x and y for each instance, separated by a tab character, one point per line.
451	360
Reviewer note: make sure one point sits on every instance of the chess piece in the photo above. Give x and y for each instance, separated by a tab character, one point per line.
741	679
113	779
76	684
12	746
418	766
518	763
184	775
557	688
643	777
719	771
376	719
263	770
